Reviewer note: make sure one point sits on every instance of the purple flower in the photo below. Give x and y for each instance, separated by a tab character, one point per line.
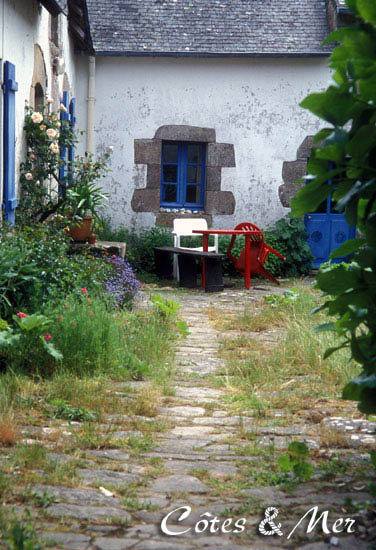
121	282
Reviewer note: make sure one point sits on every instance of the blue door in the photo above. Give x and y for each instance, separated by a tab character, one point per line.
327	230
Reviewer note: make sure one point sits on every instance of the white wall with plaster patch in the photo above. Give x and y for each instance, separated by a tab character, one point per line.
251	103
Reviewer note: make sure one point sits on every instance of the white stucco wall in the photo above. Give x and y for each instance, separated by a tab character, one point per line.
250	103
23	24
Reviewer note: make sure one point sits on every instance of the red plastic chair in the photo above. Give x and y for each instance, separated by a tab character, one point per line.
258	253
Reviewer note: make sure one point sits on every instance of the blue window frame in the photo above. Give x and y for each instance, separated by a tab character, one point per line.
183	175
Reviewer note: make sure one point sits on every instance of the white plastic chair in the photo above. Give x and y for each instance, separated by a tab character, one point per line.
183	227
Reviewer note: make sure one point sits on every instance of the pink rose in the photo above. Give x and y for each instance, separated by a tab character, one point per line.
54	148
51	133
37	117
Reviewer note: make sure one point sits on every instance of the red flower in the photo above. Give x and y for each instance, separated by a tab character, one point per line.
74	325
84	291
91	314
21	314
47	337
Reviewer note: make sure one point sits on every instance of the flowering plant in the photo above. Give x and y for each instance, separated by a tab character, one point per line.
121	282
46	189
28	333
40	172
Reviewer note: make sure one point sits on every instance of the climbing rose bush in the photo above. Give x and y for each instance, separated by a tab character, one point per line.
40	171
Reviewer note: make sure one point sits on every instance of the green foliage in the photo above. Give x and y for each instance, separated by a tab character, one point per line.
67	412
288	236
19	536
295	461
35	268
40	175
348	156
373	462
18	276
94	340
84	197
140	244
28	346
168	310
279	299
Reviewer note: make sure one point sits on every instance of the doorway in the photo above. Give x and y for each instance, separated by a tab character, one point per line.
327	230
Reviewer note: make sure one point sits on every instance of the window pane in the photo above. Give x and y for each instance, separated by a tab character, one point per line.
194	174
170	174
170	193
195	153
193	194
170	152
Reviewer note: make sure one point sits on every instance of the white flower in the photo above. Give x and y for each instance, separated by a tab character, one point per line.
49	100
51	133
29	176
58	124
110	147
54	148
37	117
37	182
43	127
63	108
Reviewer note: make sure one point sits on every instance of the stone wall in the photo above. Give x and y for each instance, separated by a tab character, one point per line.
292	171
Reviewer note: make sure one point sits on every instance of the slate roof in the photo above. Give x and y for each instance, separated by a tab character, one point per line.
208	27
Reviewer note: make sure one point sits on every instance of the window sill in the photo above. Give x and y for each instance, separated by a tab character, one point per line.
181	210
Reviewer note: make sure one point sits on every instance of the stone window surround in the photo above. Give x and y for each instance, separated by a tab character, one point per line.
218	156
293	171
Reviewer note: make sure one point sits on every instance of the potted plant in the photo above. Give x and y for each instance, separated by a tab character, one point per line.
84	197
83	204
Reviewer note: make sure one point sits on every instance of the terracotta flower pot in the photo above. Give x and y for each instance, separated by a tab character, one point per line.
82	231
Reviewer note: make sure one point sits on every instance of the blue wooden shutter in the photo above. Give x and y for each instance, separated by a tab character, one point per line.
72	124
64	116
10	88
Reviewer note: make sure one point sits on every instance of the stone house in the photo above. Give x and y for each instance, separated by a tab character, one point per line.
199	98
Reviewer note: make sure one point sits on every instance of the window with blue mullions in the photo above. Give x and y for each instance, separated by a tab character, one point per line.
183	174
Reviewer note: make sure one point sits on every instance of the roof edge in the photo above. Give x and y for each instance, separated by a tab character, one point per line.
277	55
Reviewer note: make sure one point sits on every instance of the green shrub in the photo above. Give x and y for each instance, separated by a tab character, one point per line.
28	345
345	152
140	244
288	237
35	268
33	265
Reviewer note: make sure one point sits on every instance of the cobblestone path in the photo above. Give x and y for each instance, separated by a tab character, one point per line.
198	463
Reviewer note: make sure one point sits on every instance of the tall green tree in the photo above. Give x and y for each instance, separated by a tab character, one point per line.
344	163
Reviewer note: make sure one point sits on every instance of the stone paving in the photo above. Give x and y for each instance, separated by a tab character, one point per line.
198	457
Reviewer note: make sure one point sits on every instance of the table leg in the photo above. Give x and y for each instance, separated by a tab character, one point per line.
247	272
205	246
